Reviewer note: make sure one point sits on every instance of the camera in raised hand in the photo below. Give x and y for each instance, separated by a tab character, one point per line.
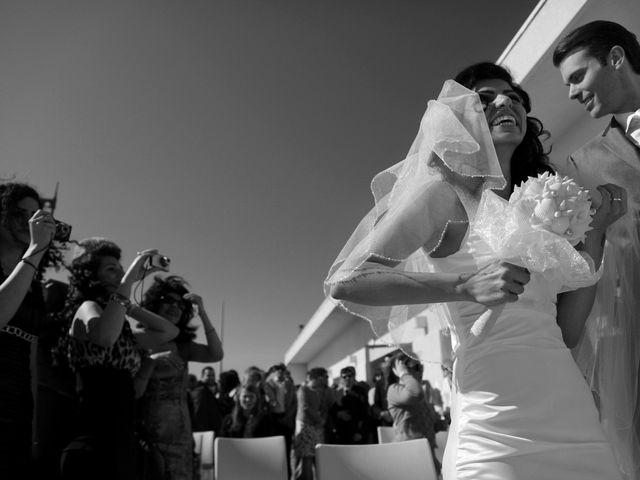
159	261
63	231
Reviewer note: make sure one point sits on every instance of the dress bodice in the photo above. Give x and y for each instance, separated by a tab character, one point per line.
169	378
531	317
521	408
124	354
15	350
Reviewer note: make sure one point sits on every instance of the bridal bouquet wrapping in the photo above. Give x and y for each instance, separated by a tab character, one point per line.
538	228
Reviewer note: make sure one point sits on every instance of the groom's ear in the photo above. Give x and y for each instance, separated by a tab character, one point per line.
616	57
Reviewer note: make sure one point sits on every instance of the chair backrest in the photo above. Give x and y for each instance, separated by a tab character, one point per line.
410	460
386	434
251	458
203	448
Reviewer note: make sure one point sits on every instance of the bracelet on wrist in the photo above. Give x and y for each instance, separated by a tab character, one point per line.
27	262
121	300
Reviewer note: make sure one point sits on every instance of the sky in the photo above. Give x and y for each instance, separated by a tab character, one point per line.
238	137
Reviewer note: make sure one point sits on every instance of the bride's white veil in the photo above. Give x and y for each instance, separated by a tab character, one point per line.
453	146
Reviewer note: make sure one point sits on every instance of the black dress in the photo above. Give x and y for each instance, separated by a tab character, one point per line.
104	447
16	400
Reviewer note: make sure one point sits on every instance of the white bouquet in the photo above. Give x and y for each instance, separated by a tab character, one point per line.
554	204
537	228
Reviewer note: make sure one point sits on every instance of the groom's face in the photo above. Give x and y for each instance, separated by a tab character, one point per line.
591	83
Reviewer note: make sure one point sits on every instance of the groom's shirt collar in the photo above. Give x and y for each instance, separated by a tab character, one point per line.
630	123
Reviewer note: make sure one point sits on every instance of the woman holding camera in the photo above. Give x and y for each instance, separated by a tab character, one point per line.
26	232
407	404
105	355
164	408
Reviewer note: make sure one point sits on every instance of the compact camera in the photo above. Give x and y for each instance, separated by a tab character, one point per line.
63	231
159	261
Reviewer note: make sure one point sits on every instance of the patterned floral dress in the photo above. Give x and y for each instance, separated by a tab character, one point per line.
164	415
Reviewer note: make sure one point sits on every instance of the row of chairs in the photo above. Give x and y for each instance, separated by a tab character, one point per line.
265	458
387	434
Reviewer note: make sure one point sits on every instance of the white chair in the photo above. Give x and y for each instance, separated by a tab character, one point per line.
251	458
441	440
410	460
203	448
386	434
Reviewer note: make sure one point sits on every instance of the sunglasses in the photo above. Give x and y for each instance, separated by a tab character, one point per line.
172	301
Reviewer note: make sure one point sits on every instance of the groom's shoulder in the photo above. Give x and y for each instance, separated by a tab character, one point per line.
594	143
586	158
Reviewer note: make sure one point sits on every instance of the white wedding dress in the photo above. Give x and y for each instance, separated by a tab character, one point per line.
522	410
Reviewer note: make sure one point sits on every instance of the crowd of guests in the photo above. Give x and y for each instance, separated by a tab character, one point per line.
111	370
110	358
342	411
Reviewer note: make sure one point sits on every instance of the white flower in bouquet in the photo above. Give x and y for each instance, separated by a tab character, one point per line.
555	204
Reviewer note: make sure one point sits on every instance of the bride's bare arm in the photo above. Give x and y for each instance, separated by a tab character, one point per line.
376	282
574	307
419	224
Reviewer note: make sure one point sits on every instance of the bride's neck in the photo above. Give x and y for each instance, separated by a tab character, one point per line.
505	152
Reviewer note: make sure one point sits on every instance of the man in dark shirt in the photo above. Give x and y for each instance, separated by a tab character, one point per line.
350	413
206	411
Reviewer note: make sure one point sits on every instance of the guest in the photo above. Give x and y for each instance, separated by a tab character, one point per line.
312	415
164	407
350	413
207	413
56	400
229	383
281	397
378	400
26	233
249	418
105	355
254	375
192	382
407	403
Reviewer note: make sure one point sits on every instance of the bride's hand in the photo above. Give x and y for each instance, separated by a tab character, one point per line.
610	207
497	283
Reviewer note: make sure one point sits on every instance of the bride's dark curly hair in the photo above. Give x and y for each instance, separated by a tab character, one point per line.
153	298
529	158
11	193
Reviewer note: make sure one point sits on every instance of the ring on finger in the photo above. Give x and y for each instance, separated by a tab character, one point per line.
617	199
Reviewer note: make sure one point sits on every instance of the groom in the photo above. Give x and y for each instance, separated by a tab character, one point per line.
600	63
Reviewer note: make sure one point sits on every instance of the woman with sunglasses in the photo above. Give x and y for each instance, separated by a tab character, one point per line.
164	408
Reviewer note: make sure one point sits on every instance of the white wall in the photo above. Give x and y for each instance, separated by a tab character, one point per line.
346	349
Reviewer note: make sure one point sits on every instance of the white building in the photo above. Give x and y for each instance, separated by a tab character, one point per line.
332	338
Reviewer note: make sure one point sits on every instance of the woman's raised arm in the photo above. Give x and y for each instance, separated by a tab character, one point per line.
16	285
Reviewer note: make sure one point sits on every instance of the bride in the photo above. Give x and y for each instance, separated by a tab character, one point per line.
522	410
